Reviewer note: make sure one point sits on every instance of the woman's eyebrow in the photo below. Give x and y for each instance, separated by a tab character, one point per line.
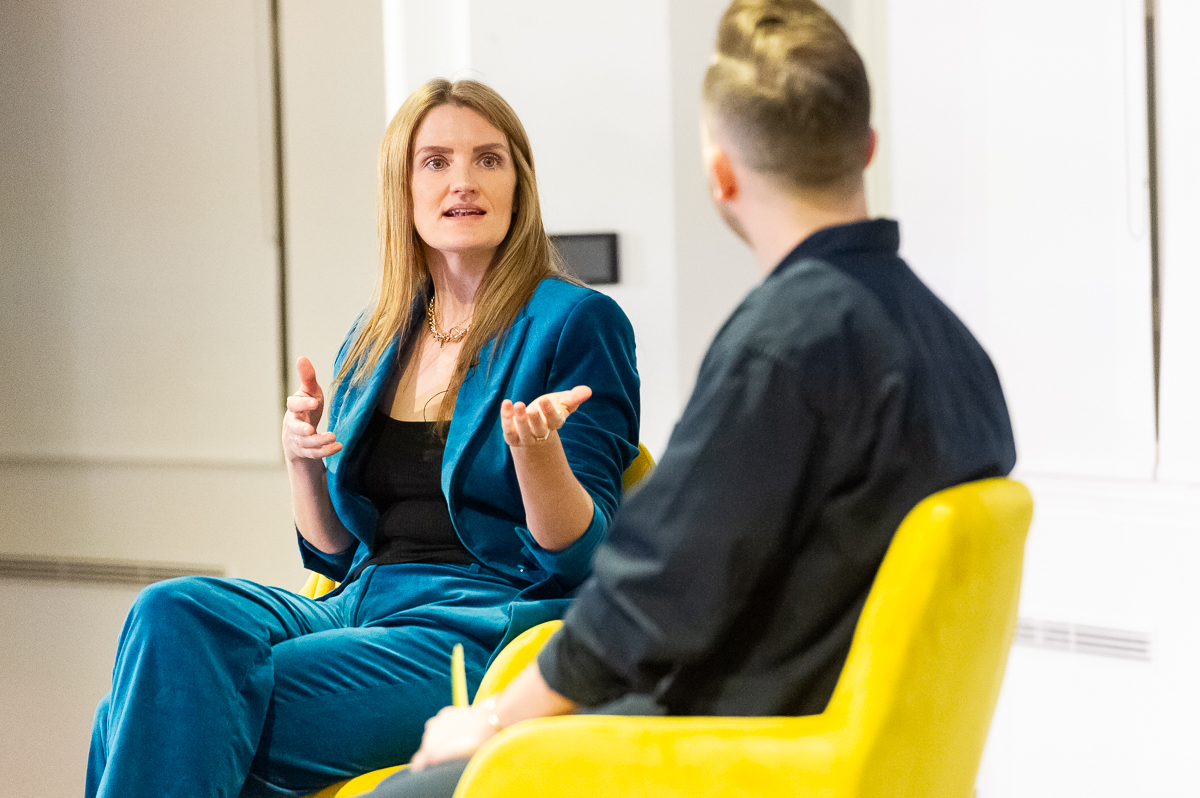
494	146
435	150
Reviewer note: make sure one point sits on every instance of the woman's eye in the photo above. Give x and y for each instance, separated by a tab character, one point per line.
436	163
490	161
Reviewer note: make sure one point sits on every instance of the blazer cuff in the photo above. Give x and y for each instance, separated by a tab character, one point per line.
572	564
333	566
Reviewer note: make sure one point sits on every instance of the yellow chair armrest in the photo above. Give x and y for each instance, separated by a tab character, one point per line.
642	465
357	785
512	660
661	757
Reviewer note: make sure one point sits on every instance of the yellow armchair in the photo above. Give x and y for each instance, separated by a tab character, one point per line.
909	715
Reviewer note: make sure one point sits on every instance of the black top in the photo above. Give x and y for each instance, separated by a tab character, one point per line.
838	395
402	476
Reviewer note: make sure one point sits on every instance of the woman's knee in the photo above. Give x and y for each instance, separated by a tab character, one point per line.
166	601
100	719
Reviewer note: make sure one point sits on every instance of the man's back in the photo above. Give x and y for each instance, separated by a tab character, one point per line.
839	394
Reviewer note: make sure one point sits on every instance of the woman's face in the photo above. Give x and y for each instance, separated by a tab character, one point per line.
463	182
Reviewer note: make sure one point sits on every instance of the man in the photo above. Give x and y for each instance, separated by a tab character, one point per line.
839	394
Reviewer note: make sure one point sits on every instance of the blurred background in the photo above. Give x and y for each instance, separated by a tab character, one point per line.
187	204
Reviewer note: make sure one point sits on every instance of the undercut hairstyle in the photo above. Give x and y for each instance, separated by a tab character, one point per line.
790	90
404	285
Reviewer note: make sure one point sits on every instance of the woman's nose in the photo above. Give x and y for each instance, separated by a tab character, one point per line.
462	180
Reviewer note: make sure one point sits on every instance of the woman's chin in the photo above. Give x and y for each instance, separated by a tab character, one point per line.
466	246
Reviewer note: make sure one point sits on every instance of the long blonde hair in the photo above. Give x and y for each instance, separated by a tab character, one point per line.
523	259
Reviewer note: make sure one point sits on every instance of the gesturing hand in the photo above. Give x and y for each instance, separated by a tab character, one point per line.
301	441
529	425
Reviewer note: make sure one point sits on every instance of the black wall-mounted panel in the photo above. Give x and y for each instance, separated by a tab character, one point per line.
592	257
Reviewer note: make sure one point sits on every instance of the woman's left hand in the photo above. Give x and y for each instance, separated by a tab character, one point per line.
529	425
453	733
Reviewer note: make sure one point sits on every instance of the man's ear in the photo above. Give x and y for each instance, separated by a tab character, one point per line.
722	180
872	142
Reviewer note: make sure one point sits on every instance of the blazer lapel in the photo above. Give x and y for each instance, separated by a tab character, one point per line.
478	404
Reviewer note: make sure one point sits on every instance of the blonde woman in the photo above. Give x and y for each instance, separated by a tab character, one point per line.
450	510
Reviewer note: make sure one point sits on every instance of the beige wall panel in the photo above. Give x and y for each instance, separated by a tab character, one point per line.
138	299
57	658
334	118
232	518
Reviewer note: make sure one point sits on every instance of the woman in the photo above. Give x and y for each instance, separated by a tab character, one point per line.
450	513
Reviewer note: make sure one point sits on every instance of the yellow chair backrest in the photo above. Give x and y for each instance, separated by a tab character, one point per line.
909	715
920	684
643	464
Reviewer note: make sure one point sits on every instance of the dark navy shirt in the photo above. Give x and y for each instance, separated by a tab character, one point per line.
839	394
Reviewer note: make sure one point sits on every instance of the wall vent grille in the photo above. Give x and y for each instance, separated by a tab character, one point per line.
128	572
1120	643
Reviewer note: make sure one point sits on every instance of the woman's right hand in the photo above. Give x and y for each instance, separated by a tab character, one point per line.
301	441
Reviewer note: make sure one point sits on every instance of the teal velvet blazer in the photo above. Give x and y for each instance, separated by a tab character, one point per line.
566	335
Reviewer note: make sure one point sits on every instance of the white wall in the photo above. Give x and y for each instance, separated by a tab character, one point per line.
1021	187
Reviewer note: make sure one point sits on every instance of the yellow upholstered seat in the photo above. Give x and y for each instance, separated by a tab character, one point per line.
909	715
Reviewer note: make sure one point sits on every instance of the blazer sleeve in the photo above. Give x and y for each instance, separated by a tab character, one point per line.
595	348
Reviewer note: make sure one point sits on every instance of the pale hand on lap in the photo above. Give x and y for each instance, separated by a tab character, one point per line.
455	733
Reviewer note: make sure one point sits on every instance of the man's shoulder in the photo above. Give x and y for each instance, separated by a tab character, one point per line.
806	305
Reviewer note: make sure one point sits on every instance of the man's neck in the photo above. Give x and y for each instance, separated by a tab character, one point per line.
775	220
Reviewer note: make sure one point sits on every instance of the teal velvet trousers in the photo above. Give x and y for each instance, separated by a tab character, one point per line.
224	687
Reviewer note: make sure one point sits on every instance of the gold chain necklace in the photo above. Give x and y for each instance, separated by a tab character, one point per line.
452	336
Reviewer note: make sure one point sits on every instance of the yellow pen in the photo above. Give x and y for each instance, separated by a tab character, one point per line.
458	676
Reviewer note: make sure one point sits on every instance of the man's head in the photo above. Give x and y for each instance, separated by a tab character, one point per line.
789	93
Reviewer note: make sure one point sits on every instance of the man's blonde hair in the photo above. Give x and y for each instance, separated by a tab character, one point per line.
789	88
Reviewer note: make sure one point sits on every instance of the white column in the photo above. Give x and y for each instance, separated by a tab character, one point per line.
1179	238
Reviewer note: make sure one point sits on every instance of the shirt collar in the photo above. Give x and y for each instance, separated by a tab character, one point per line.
870	236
